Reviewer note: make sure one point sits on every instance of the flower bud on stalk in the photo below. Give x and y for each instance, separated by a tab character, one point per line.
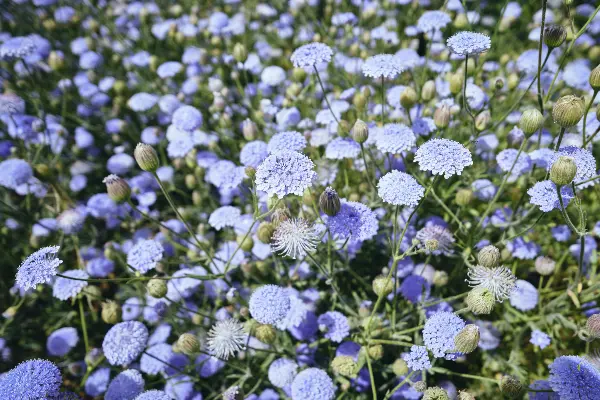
266	333
554	35
435	393
593	325
240	54
117	188
111	312
344	365
595	78
428	91
467	339
441	116
568	111
408	98
360	131
382	286
329	202
480	301
146	157
510	386
399	367
544	265
531	121
489	256
157	288
563	171
188	344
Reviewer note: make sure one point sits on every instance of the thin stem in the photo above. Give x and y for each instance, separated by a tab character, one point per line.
564	212
84	326
362	152
382	101
398	386
464	99
587	110
371	376
325	94
448	372
539	80
588	180
560	138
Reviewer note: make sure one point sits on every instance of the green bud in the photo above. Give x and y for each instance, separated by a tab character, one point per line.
544	265
563	170
480	301
441	116
464	197
344	365
146	157
408	98
467	339
400	368
511	386
240	54
246	244
382	286
462	395
188	344
376	352
568	111
554	35
435	393
329	202
482	120
111	312
531	121
117	188
265	333
265	232
428	91
456	83
157	288
593	325
440	278
360	131
489	256
595	78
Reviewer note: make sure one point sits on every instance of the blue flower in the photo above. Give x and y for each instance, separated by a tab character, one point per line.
313	384
399	188
124	342
90	60
444	238
433	21
354	220
156	358
169	69
335	325
269	304
39	267
382	66
282	372
61	341
575	378
225	175
340	148
418	358
144	255
483	189
65	288
443	157
395	139
126	386
489	336
311	54
415	288
540	339
542	385
97	382
283	173
253	153
187	118
224	216
142	101
32	379
153	395
15	172
523	250
506	159
17	47
468	43
524	296
100	267
543	194
286	141
585	161
439	333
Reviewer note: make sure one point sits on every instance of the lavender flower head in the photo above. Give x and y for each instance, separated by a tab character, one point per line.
269	304
283	173
15	172
544	195
313	384
40	267
468	43
335	325
417	359
395	139
309	55
124	342
433	21
32	379
574	377
65	288
144	255
399	188
443	157
382	66
439	332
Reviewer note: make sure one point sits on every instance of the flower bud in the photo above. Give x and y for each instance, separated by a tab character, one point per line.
480	301
117	188
465	396
344	365
511	386
298	75
265	333
482	120
245	243
343	128
428	91
499	84
408	98
595	78
563	170
593	325
554	35
400	368
489	256
456	83
234	393
329	202
435	393
360	131
382	286
240	54
249	129
55	61
146	157
265	232
568	111
188	344
420	386
464	197
250	172
441	116
467	339
359	101
531	121
544	265
376	352
111	312
157	288
440	278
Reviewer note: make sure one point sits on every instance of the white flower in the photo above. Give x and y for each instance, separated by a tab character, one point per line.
226	337
294	238
500	281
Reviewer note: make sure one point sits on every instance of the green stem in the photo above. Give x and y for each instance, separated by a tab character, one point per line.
448	372
371	376
325	95
84	326
539	80
587	110
398	386
564	212
560	138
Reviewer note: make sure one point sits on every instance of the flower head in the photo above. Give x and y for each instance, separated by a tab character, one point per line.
354	220
61	341
125	386
286	141
313	384
417	359
223	217
335	324
399	188
500	281
283	173
395	139
468	43
65	288
443	157
282	372
540	339
439	332
543	194
124	342
574	377
340	148
15	172
585	161
524	296
294	238
187	118
153	395
311	54
226	337
32	379
253	153
382	66
269	304
39	267
443	237
225	175
433	21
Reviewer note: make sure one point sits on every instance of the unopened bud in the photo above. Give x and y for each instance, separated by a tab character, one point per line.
428	91
554	35
360	131
117	188
467	339
265	232
482	120
435	393
563	170
489	256
440	278
441	116
511	386
531	121
329	202
376	352
408	98
246	243
249	129
146	157
382	285
188	344
595	78
265	333
593	325
568	111
157	288
344	365
240	54
456	83
480	301
400	368
111	312
464	197
544	265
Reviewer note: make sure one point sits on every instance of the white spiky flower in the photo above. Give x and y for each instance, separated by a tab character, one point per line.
226	337
500	281
294	238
